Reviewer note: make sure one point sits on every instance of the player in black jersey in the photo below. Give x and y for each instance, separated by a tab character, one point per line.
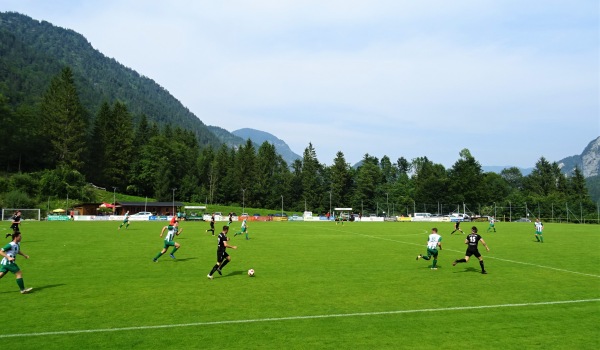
212	224
222	257
457	228
16	221
472	240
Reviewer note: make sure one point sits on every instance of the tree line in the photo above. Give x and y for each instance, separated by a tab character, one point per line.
66	148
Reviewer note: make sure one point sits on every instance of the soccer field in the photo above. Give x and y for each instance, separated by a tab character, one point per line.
317	286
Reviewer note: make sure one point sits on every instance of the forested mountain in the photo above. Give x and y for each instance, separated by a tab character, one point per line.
32	52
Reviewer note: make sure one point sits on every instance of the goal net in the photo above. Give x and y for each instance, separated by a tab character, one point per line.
26	214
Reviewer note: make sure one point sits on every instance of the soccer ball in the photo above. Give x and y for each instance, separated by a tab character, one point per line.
251	272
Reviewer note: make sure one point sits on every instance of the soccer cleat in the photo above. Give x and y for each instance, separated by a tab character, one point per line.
419	256
172	256
209	277
484	272
26	291
434	268
454	263
155	260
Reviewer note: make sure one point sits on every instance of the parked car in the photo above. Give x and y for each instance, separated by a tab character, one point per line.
143	213
522	220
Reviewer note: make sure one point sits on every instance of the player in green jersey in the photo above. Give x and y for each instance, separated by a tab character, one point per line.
539	228
434	243
492	226
9	253
172	231
244	229
125	221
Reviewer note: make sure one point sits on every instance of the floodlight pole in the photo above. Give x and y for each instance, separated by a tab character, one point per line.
243	200
387	201
281	205
330	202
114	199
173	209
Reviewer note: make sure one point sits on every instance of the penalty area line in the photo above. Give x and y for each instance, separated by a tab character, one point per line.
295	318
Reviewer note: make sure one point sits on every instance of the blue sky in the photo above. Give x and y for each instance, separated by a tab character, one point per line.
512	81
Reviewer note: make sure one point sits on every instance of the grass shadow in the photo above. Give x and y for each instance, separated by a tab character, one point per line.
184	259
469	269
234	273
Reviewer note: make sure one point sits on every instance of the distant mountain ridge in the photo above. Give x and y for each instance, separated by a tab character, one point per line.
258	137
588	161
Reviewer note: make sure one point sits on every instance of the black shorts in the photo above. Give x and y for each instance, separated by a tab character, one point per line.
221	256
473	252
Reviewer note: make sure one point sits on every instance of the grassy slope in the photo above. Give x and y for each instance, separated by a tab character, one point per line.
89	276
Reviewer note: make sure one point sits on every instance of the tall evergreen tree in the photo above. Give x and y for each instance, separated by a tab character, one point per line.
340	181
98	143
368	182
311	179
431	184
64	121
244	171
466	180
542	181
7	135
119	147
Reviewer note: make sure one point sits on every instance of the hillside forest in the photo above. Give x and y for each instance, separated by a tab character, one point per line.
54	148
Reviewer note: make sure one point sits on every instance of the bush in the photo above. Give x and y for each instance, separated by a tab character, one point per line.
18	199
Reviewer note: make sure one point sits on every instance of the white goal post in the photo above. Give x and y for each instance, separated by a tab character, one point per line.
26	214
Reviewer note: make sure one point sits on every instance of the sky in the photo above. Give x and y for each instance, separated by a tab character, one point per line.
510	80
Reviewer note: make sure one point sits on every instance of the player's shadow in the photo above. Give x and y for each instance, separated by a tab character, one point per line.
37	289
234	273
469	269
184	259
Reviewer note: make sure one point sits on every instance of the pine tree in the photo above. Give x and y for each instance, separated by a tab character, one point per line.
64	121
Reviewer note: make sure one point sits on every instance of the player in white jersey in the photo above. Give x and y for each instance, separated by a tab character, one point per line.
433	244
492	221
9	253
539	227
172	231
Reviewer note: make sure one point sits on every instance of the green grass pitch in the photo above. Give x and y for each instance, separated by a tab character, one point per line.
317	286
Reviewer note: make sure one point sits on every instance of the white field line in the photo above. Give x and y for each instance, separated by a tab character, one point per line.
293	318
486	257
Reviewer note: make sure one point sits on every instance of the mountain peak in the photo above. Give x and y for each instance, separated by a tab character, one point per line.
260	137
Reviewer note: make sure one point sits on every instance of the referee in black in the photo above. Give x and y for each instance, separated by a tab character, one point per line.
472	240
222	257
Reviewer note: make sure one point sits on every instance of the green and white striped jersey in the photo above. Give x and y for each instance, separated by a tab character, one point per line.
171	230
11	249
